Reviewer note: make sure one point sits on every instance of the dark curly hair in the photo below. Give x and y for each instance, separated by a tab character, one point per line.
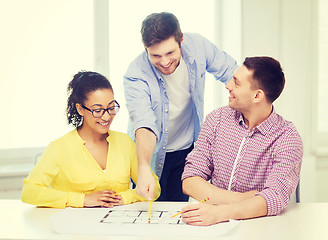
82	84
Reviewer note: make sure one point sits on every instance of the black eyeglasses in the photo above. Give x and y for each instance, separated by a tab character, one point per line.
98	113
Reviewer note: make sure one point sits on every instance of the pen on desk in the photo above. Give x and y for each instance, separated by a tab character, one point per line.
149	210
206	199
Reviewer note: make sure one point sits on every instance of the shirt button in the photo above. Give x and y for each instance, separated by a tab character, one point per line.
164	147
160	165
166	110
166	130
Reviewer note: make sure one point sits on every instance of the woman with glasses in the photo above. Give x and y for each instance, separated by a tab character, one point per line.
91	165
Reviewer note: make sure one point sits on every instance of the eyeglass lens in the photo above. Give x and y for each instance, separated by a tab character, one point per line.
111	111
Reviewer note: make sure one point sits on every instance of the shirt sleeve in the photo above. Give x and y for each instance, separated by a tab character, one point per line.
218	62
284	176
36	187
130	196
139	101
199	161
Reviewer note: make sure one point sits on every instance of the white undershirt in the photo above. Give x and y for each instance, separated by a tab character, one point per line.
181	122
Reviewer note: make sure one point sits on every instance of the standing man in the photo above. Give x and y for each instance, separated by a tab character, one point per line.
164	91
251	155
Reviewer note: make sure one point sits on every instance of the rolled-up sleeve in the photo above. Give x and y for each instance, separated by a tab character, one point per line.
218	62
139	104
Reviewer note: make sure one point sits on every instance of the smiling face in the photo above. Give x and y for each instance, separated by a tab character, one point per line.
241	91
165	56
96	100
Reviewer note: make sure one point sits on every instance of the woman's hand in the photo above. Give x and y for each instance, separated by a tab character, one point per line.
106	198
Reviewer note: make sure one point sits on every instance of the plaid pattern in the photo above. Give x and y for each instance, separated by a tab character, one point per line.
267	159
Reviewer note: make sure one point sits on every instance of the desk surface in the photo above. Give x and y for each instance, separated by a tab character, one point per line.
299	221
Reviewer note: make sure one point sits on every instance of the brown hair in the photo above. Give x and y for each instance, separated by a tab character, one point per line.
158	27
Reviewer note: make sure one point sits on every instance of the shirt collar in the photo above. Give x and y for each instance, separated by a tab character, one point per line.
109	136
155	70
186	54
265	126
268	123
81	141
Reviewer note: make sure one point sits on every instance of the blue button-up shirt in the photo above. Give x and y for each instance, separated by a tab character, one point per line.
145	93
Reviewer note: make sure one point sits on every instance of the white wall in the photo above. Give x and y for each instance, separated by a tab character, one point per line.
43	44
283	30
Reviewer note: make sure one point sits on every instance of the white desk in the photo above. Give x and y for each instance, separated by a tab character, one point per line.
300	221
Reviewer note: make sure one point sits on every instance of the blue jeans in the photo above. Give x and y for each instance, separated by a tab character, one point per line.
170	181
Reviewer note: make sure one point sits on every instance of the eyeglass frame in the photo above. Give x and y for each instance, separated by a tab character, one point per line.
103	109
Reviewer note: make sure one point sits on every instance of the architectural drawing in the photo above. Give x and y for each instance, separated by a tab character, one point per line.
141	217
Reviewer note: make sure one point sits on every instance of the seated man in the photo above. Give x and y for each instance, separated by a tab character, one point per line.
250	153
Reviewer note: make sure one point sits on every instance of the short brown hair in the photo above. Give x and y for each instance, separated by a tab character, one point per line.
158	27
268	74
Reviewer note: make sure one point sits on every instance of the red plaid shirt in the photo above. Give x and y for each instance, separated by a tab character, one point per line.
267	159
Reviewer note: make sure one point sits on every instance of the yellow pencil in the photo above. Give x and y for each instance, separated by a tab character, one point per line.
149	210
206	199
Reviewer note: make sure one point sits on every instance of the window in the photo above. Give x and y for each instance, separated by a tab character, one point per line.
46	42
43	44
322	102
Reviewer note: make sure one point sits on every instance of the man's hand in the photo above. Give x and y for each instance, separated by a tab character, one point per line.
146	183
106	198
145	143
204	214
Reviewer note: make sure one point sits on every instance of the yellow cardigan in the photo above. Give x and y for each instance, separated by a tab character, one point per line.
66	171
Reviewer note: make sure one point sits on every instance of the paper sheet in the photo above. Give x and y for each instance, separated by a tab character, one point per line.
114	221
